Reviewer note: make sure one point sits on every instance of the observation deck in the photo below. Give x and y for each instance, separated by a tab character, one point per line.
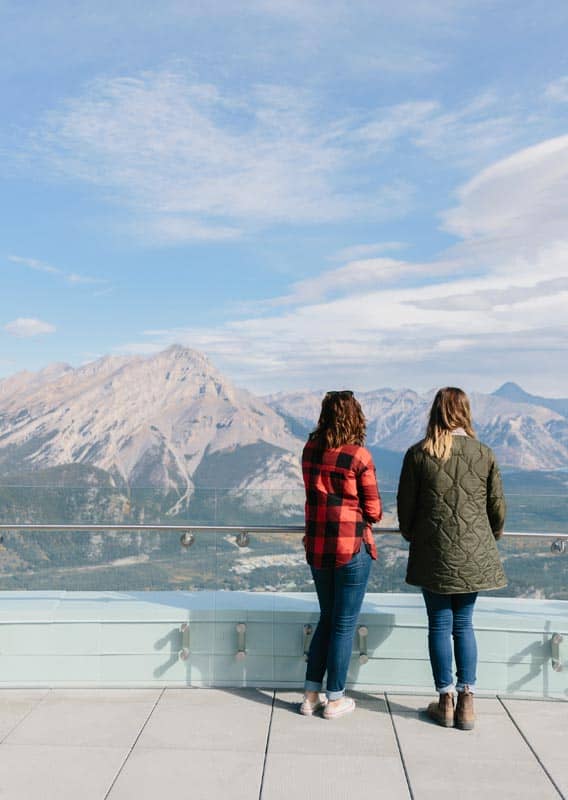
120	689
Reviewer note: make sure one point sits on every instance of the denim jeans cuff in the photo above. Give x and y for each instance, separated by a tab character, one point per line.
461	687
449	689
335	695
312	686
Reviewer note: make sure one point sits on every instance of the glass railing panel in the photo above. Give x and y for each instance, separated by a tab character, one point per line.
138	557
113	560
262	561
534	568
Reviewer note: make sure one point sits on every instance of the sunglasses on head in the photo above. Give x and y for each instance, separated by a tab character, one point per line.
343	394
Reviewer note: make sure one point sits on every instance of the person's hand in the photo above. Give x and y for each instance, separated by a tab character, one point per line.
498	534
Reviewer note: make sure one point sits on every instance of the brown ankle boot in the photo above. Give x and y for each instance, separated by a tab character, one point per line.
442	712
464	716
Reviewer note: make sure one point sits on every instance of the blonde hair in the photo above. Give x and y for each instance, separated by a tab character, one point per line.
341	421
450	410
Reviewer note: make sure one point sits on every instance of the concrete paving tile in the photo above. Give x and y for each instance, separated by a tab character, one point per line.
15	705
177	698
558	769
494	738
368	731
53	773
229	722
328	777
541	710
410	704
545	726
200	775
470	778
86	718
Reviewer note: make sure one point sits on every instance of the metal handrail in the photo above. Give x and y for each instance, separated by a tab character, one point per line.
91	528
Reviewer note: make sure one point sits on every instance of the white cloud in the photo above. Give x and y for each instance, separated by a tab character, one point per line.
25	327
498	297
73	277
374	319
34	263
194	163
180	229
557	91
188	161
397	60
470	134
390	123
42	266
361	275
522	197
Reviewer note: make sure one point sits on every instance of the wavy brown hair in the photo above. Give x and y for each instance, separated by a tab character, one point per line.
341	421
450	410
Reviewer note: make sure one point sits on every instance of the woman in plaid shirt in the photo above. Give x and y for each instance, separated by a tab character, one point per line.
342	502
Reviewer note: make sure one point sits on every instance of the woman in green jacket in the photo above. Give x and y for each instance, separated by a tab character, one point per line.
451	509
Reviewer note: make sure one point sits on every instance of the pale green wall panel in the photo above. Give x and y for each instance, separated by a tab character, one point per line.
258	638
128	639
20	639
243	672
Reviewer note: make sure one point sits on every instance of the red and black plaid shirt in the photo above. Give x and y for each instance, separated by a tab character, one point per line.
342	502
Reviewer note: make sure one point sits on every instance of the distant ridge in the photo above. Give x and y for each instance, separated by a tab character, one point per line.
512	391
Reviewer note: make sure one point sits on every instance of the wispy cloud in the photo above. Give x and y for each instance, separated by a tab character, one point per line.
498	298
401	60
471	134
393	122
25	327
33	263
42	266
192	162
362	275
438	319
557	90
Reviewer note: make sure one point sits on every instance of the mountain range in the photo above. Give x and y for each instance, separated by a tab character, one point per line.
173	422
526	434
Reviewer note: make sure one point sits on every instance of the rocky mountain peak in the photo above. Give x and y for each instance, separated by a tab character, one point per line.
148	420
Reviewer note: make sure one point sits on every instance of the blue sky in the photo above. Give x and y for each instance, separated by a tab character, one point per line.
312	193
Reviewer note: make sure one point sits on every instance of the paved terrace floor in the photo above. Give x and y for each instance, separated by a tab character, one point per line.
244	745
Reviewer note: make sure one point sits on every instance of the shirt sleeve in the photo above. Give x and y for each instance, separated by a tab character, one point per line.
406	495
368	491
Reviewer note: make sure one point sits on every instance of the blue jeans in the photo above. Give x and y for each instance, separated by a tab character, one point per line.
450	615
340	593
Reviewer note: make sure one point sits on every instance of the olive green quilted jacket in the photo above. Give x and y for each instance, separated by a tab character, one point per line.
449	512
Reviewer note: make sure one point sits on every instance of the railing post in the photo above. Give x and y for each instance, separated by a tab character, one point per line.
555	652
241	629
